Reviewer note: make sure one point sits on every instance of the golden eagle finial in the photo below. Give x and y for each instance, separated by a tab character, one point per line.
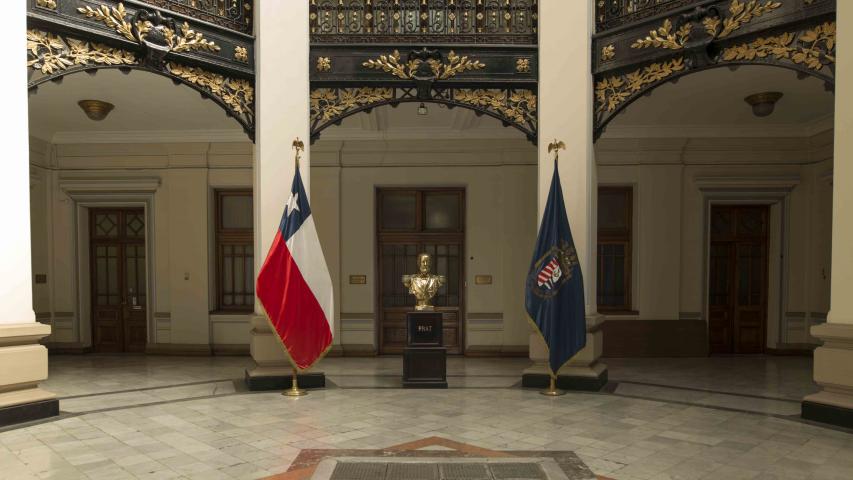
299	146
556	146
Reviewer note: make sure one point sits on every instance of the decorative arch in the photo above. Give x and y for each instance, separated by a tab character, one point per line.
51	56
515	107
809	51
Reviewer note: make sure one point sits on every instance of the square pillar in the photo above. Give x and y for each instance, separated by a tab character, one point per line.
23	361
565	113
282	114
833	361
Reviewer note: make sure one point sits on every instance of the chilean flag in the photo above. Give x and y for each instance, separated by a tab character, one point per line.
294	285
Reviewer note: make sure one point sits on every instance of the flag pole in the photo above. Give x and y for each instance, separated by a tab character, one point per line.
552	391
294	390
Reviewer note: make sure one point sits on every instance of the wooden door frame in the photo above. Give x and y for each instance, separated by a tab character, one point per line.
733	272
377	216
776	194
121	266
88	196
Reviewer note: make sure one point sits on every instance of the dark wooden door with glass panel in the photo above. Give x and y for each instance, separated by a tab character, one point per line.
409	222
119	288
737	294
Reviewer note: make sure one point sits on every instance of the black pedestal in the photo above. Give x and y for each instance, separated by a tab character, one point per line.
28	412
283	382
424	357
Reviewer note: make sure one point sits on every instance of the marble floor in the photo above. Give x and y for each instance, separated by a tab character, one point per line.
192	418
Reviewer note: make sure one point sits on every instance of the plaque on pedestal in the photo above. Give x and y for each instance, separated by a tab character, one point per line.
424	357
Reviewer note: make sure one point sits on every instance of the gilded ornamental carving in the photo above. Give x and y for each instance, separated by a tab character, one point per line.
162	31
50	53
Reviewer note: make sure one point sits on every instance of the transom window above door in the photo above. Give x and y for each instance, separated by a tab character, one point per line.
421	211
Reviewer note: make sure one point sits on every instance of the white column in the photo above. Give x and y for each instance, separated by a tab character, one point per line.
565	113
23	361
833	362
282	111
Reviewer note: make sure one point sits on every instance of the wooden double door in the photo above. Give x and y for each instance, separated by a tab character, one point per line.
118	272
738	281
410	222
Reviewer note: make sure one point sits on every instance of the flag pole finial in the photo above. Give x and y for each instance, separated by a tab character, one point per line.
299	146
556	146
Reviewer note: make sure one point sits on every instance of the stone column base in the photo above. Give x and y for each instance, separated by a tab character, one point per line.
583	372
272	370
833	371
23	364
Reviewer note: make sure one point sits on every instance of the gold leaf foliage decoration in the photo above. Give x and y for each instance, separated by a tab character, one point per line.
49	4
740	13
814	48
329	103
237	93
49	53
664	37
186	39
612	91
455	65
608	52
113	18
241	54
394	65
518	106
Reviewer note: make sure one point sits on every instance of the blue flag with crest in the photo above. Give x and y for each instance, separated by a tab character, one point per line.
554	296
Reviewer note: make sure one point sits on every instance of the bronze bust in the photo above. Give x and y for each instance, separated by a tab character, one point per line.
423	285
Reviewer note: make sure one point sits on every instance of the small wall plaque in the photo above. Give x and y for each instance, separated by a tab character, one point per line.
358	279
482	279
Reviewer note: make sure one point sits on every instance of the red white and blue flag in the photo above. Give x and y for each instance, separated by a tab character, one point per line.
294	285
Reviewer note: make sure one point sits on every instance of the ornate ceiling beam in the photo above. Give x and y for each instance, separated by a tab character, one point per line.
513	107
68	36
633	60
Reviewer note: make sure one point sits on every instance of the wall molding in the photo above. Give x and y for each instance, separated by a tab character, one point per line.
150	136
798	130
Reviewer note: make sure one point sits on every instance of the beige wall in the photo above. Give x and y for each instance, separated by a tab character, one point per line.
676	180
500	182
174	182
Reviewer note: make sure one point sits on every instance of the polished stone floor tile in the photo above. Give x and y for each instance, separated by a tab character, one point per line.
186	418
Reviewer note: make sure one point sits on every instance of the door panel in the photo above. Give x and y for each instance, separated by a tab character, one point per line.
119	284
738	282
410	222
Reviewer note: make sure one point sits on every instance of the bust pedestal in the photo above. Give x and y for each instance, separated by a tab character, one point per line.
424	357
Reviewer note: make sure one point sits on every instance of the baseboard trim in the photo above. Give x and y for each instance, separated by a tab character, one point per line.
230	350
28	412
655	338
67	348
179	349
282	382
336	351
792	350
830	414
358	350
497	351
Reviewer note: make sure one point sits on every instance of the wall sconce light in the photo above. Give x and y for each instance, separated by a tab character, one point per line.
763	103
96	110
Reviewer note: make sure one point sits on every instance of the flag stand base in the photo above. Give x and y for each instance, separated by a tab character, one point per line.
552	389
294	390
